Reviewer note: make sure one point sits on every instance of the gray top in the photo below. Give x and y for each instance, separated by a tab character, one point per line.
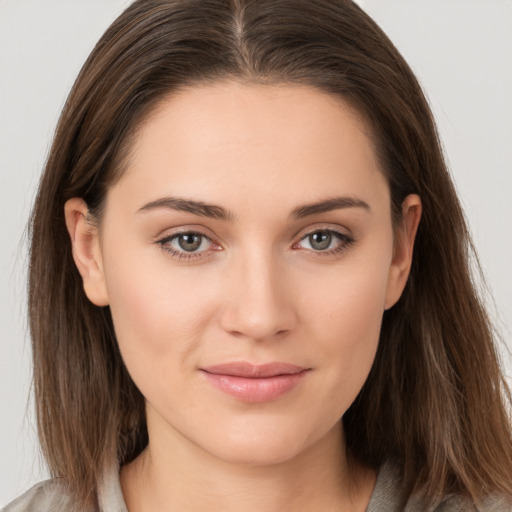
49	496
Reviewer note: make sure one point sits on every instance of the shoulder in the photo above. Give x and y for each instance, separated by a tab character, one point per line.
460	504
47	496
52	496
389	495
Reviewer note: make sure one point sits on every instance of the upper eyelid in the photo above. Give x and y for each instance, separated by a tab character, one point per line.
325	227
343	237
327	230
301	233
167	239
169	234
182	254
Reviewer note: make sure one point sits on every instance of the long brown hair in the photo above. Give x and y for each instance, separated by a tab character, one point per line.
435	401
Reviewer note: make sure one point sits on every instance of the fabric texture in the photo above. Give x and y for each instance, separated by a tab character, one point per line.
50	496
388	496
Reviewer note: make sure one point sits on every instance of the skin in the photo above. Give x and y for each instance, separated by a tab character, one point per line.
256	290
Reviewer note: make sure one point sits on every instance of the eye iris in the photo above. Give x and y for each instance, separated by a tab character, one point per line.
320	240
189	242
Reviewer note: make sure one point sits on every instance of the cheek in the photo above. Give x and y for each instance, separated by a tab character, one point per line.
344	318
350	304
158	312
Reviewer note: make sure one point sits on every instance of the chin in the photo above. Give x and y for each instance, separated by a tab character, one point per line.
267	445
258	454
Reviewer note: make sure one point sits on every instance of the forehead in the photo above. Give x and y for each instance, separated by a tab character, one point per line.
244	113
252	140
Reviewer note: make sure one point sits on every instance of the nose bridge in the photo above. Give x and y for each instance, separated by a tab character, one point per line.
260	304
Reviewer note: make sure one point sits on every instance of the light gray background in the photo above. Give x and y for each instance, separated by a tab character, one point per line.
460	49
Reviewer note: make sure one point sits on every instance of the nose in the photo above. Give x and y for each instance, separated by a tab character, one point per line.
258	302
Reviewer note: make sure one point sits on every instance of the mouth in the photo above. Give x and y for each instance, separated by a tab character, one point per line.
254	383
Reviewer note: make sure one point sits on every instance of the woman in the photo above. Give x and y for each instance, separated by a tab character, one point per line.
239	322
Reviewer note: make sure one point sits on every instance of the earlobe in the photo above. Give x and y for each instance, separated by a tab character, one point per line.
403	251
86	250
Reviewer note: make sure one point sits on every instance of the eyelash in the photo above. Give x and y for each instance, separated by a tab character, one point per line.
344	240
164	243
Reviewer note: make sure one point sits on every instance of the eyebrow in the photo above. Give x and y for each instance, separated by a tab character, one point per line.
217	212
335	203
187	205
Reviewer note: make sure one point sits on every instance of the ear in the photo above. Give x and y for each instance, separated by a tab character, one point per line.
402	254
86	250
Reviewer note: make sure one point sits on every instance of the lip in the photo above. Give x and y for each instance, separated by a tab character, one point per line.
254	383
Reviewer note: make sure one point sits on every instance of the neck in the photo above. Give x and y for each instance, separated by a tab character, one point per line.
183	477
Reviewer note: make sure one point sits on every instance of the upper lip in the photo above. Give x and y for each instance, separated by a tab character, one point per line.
254	371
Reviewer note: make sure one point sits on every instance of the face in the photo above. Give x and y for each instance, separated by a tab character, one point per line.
247	256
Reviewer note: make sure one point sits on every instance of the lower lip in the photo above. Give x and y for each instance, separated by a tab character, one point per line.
255	390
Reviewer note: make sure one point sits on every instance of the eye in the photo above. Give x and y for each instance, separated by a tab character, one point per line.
324	241
189	242
186	244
